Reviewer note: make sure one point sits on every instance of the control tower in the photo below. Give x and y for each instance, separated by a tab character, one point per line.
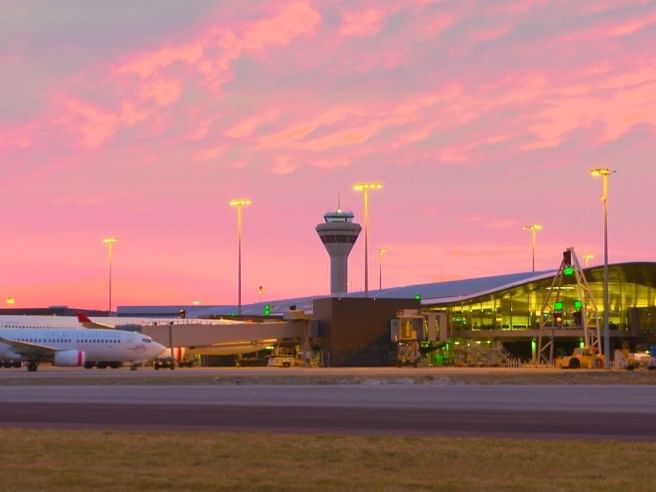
338	234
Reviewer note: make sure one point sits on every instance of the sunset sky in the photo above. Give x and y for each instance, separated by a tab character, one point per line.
144	119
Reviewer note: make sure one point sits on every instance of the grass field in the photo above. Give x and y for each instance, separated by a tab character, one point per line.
122	461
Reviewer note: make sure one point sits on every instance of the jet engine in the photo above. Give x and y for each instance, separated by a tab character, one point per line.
69	358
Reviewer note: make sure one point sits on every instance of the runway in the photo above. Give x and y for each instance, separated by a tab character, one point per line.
611	411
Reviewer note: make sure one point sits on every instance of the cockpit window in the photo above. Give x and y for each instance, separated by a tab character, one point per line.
146	340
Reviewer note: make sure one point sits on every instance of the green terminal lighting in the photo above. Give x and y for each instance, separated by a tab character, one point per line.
568	271
558	306
418	297
266	310
578	305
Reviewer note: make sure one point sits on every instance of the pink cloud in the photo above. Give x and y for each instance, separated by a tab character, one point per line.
264	98
610	28
367	22
288	135
13	137
150	63
627	106
245	128
350	136
490	33
296	19
164	92
92	124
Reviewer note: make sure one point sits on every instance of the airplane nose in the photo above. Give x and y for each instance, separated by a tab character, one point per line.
158	348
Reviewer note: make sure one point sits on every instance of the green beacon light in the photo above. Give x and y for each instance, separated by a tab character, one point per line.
578	305
558	306
418	297
568	271
266	310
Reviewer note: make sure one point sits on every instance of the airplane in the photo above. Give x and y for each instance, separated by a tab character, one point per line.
73	347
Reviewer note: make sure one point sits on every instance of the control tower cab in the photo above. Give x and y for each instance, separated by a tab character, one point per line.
338	234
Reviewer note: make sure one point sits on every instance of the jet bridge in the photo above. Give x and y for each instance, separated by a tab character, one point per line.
192	333
226	337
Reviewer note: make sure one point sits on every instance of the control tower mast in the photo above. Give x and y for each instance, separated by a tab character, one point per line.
338	234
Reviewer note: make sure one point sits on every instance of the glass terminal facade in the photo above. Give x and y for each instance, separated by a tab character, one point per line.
515	310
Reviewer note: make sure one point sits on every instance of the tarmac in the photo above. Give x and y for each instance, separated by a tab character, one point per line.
380	403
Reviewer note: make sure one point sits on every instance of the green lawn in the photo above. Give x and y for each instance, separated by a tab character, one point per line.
117	461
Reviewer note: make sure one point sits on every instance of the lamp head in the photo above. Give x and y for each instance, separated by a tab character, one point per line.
601	171
110	240
367	186
532	227
240	202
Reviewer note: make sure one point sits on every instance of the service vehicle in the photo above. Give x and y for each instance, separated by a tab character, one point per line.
581	358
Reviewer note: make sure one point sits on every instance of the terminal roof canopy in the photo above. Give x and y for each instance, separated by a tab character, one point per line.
643	273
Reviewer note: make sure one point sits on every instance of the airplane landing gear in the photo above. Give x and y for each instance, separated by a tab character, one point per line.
31	366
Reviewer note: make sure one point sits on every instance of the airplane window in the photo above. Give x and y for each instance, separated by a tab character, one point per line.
146	340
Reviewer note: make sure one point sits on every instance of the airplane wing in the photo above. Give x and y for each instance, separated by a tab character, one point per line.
87	323
28	348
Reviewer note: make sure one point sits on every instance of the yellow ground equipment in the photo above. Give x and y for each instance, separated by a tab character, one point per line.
581	358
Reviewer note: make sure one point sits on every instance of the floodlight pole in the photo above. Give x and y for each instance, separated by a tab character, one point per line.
604	173
239	204
110	242
381	252
606	295
534	228
364	188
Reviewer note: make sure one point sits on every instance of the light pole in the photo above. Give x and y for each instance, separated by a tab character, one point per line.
110	242
239	203
364	188
604	172
534	228
381	252
586	258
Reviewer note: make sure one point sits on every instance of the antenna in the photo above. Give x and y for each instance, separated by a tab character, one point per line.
339	202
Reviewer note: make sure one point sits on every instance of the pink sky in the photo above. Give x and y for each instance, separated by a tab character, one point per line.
143	119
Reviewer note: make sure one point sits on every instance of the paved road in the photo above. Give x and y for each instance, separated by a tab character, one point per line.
616	411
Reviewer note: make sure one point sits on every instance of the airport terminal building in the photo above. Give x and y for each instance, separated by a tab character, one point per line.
515	306
463	320
481	321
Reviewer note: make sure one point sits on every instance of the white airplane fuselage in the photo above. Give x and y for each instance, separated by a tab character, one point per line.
74	346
